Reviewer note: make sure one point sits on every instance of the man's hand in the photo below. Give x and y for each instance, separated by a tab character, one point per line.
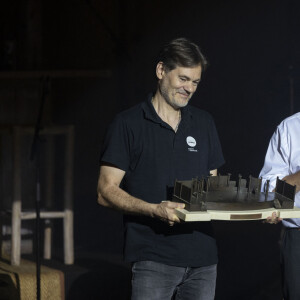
165	211
272	219
293	179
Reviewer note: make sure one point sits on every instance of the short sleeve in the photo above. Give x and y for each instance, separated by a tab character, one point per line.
116	145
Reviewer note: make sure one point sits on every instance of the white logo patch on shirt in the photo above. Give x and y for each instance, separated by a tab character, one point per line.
192	143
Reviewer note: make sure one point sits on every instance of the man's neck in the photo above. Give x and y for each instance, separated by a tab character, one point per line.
166	112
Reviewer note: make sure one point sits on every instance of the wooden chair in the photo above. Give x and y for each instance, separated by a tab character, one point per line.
18	215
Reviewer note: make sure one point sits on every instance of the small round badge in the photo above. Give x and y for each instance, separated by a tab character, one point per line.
191	141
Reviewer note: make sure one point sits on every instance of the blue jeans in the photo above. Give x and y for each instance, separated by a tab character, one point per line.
152	280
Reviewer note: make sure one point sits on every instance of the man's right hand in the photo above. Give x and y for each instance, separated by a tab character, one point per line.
165	211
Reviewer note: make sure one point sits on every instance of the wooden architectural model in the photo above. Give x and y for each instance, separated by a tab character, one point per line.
219	198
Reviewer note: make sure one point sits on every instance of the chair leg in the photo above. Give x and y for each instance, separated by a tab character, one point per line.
47	239
68	181
16	234
68	238
17	204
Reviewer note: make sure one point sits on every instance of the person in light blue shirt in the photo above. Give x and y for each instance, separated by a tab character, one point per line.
283	160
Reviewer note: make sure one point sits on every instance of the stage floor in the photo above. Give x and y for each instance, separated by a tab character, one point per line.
248	269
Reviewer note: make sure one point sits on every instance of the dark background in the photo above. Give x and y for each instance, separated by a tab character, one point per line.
251	85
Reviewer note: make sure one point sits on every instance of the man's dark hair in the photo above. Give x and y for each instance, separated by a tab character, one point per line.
181	52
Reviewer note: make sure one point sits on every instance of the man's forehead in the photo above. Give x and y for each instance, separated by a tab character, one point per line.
191	72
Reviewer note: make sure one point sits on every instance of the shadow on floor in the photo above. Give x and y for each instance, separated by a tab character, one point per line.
95	276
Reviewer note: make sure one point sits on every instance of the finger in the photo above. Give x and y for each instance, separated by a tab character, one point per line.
269	220
176	219
171	204
275	217
173	219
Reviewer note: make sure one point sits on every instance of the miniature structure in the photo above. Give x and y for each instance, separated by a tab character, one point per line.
232	200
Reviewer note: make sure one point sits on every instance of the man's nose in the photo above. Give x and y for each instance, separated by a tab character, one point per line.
190	87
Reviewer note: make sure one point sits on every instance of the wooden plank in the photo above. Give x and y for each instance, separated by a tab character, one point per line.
43	215
245	215
189	216
289	213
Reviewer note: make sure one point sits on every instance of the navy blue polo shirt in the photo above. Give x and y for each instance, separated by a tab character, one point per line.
153	156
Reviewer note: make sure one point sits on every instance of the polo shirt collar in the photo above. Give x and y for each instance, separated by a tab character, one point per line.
151	114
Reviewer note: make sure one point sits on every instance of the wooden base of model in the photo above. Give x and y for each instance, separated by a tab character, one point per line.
245	215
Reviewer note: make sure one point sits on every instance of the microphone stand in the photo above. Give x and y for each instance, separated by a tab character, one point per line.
35	154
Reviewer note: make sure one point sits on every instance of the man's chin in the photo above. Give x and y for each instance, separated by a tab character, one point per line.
181	105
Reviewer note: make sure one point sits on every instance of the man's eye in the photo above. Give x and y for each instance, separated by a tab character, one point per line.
182	79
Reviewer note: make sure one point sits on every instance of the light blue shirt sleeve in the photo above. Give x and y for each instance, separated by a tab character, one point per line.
276	160
283	158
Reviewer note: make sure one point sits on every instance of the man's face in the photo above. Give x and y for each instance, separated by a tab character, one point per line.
178	86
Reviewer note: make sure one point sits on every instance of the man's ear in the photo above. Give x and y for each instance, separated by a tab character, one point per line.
160	70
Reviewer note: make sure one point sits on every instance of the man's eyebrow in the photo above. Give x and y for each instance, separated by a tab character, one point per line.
184	76
188	78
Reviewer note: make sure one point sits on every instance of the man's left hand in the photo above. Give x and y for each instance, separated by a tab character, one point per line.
273	219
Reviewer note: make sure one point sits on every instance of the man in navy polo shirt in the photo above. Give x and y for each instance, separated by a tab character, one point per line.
146	148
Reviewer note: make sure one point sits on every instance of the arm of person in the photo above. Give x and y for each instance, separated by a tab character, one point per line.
293	179
111	195
276	165
276	162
